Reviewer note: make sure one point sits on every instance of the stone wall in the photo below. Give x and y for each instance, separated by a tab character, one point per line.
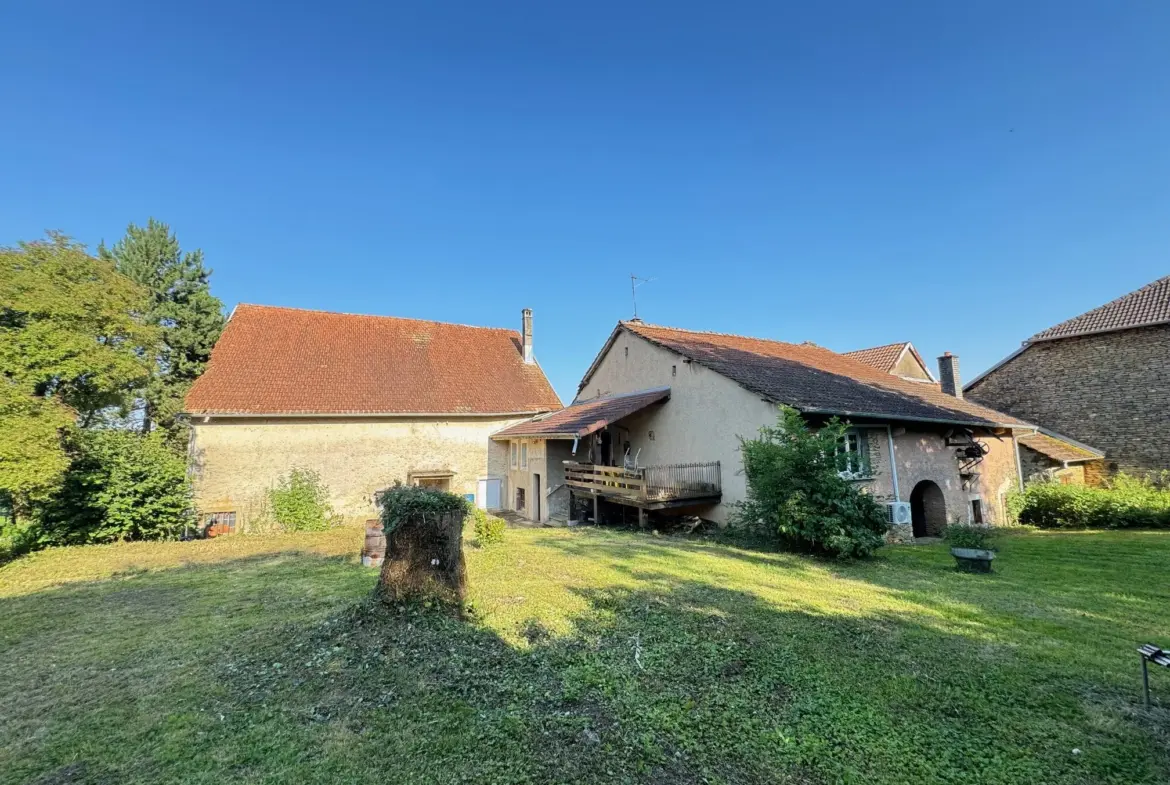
1111	391
235	461
1038	467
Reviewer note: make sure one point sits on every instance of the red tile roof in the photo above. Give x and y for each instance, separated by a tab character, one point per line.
1147	306
884	358
582	419
289	361
813	379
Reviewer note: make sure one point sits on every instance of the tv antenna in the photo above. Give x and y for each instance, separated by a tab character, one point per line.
635	282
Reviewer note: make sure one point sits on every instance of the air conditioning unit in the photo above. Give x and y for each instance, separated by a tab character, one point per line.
898	513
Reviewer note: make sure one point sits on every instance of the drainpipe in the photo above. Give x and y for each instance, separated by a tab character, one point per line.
1019	465
894	462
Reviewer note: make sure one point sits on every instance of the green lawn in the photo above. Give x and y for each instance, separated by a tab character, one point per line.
592	656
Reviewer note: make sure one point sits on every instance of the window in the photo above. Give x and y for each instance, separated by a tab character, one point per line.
855	447
524	455
217	523
437	483
520	501
515	452
977	511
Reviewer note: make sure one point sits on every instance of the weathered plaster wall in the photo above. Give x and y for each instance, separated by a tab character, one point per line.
235	461
1111	391
909	368
545	458
701	421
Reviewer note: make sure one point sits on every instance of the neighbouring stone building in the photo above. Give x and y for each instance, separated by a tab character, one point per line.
364	401
1102	378
658	418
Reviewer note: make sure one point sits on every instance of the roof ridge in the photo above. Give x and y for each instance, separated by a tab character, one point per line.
640	323
879	346
374	316
1046	334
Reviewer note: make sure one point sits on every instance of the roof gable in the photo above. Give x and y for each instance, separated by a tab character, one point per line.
273	360
814	379
1148	305
887	358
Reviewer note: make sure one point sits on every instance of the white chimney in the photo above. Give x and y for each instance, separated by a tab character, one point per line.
526	332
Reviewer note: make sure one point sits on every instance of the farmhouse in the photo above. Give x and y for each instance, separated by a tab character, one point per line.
659	414
364	401
1102	377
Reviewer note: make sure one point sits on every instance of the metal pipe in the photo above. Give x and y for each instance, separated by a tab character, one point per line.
893	462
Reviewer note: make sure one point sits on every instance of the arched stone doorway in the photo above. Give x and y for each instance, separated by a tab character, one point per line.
928	509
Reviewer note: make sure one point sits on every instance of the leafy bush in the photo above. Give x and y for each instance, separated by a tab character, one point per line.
407	501
488	528
967	535
120	485
796	491
1127	503
300	502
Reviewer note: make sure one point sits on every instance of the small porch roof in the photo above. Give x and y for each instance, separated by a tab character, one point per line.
1060	448
584	418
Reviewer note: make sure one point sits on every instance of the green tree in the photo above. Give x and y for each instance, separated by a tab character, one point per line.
72	344
797	491
181	305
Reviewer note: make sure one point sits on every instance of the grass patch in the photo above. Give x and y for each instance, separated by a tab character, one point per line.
592	656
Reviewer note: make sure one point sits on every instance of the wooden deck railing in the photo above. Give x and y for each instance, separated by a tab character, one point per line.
673	482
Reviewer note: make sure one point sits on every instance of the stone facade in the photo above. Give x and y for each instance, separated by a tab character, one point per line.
1039	467
234	461
1110	390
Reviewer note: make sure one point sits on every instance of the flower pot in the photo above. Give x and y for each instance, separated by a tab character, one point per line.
973	559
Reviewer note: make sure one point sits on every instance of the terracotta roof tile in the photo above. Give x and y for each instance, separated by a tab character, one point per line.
1148	305
582	419
814	379
289	361
884	358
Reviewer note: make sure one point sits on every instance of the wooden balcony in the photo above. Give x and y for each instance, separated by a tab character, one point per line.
650	487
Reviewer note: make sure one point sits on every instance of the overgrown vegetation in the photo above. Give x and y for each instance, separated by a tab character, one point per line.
95	355
593	656
796	491
489	530
424	547
1127	503
300	502
968	535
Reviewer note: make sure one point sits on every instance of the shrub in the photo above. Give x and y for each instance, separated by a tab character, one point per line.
966	535
1127	503
424	546
300	502
796	491
120	485
488	528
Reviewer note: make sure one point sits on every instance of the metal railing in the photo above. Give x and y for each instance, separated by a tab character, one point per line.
650	483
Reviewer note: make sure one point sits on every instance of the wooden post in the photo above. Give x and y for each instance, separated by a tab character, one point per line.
641	518
571	508
596	511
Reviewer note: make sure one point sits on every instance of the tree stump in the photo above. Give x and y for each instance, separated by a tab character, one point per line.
424	561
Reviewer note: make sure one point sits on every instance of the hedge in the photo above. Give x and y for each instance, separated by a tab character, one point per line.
1128	503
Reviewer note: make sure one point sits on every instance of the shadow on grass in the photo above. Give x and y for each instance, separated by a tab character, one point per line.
279	668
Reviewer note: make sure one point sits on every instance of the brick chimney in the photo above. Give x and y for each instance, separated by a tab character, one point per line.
948	375
527	333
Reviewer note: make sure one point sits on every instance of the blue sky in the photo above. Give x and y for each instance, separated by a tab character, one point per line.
961	175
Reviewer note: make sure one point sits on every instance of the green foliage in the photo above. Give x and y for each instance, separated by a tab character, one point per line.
796	491
120	485
181	305
967	535
410	501
489	529
72	342
300	502
1127	503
